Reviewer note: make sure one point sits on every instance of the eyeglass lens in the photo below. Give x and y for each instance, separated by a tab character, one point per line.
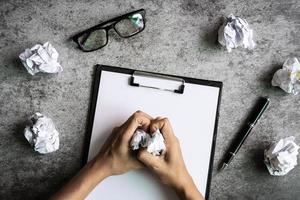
126	27
131	25
93	40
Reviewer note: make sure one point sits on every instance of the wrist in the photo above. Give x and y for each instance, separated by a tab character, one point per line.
84	182
181	180
187	189
99	168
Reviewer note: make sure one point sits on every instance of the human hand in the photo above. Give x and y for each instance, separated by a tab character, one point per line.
170	167
115	154
114	158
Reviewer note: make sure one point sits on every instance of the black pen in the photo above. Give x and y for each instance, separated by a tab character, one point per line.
259	109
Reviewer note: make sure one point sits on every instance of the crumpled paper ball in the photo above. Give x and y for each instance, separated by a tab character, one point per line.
139	139
288	78
41	58
281	157
41	134
235	32
154	142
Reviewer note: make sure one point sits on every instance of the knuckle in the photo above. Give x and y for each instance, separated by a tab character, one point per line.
166	120
155	166
137	114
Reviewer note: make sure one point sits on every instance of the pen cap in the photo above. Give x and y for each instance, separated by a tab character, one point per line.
258	110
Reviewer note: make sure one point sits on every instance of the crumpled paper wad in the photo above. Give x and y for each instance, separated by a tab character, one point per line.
288	78
235	32
41	58
41	134
154	142
281	157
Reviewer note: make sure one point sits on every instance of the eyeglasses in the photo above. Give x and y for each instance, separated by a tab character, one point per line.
126	26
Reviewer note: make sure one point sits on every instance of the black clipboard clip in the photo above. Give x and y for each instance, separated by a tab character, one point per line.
138	83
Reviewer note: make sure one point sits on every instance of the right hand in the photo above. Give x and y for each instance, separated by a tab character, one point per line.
170	167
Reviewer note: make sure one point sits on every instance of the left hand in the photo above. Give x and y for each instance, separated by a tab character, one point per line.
116	154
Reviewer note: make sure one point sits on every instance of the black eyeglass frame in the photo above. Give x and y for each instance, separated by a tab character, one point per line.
111	25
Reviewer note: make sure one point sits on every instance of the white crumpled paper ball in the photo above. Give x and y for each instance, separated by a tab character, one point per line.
153	142
41	58
288	78
139	139
235	32
281	157
41	134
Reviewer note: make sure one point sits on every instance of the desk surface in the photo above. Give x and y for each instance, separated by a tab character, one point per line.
180	38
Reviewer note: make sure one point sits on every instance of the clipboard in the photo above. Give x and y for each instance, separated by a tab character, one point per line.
118	92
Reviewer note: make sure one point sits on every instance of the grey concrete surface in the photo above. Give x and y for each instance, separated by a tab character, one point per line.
180	38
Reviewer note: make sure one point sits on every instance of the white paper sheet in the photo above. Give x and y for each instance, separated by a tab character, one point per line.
191	114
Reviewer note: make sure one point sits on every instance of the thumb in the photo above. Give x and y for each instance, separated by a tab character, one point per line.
147	158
